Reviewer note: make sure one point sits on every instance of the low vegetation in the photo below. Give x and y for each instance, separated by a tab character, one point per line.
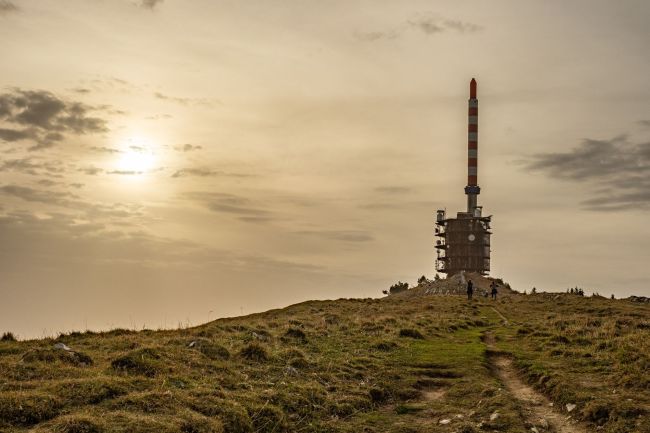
407	363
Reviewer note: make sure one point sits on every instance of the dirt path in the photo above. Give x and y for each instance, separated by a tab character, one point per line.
538	410
505	320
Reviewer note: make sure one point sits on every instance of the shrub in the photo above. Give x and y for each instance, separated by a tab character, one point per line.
254	352
411	333
142	361
8	336
398	287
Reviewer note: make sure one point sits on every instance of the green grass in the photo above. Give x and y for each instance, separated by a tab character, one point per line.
398	364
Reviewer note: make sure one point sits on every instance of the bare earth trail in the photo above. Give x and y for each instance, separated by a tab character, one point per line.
537	408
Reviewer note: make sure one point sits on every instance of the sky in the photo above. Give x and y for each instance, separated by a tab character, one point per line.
167	162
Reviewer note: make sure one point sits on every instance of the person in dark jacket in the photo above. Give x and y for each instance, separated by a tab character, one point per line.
470	289
493	292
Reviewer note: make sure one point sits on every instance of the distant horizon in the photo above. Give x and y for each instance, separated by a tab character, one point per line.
187	325
163	160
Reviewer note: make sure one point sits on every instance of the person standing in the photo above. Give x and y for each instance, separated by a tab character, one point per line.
470	289
493	292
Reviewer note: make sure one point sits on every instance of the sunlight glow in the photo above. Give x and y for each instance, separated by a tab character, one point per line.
136	158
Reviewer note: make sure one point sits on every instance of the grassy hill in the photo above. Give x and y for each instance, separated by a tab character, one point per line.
411	362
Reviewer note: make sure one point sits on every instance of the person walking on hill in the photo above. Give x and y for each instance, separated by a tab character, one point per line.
470	289
493	292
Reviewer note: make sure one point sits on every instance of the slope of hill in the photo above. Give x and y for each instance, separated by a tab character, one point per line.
414	362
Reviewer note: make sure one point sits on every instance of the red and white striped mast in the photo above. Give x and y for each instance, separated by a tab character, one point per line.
472	189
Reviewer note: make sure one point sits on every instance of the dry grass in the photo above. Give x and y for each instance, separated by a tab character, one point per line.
338	366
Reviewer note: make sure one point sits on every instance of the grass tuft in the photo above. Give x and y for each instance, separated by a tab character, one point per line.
411	333
144	362
254	352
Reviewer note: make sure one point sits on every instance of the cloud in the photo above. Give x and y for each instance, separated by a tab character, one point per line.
428	24
183	101
339	235
394	189
645	123
377	35
109	213
228	203
39	196
33	167
125	172
91	171
104	149
7	7
618	170
187	147
150	4
43	118
206	172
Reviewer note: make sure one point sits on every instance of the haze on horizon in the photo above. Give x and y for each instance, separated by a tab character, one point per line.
169	162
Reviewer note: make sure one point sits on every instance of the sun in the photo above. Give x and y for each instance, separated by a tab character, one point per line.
136	158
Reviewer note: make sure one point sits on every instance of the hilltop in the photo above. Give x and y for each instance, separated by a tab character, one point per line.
418	361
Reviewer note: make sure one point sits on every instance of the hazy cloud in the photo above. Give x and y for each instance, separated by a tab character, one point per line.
104	149
91	171
7	7
394	189
17	134
426	23
39	196
150	4
431	25
645	123
124	172
42	117
227	203
205	172
187	147
619	171
33	167
183	101
339	235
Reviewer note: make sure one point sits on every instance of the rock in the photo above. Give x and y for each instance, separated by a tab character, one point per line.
543	423
260	336
291	371
534	430
570	407
62	346
494	416
444	421
192	344
459	416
